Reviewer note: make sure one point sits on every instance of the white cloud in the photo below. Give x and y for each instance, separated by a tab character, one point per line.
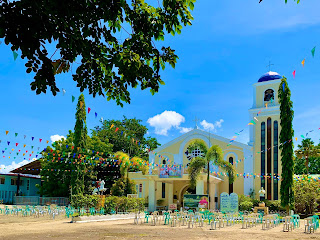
211	126
56	137
185	130
13	165
165	121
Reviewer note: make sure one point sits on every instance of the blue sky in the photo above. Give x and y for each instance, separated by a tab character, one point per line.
221	55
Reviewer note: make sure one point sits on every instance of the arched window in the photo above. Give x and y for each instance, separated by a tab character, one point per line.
195	153
268	95
269	153
231	185
275	159
263	155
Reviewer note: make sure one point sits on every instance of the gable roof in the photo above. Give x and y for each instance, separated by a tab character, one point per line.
207	134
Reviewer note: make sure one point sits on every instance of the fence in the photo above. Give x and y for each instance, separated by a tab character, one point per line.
34	200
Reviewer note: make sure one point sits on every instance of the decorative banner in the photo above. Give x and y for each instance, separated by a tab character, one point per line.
96	115
7	132
195	201
73	98
294	73
89	109
170	171
303	61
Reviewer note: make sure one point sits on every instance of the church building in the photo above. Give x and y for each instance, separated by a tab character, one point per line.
258	163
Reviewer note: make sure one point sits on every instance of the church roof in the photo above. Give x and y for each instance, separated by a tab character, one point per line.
269	76
199	131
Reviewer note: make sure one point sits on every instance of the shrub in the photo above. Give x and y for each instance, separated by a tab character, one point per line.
245	206
80	200
123	204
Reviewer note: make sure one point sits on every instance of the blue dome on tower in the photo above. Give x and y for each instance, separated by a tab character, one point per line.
269	76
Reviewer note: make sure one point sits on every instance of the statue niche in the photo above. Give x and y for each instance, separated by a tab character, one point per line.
268	95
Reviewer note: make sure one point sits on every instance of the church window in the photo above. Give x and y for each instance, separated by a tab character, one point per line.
269	152
268	95
231	184
195	153
163	190
263	155
275	159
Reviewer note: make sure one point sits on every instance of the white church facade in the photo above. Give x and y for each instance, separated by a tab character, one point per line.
257	163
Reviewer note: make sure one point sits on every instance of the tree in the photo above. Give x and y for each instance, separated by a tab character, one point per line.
127	165
59	165
306	193
286	135
212	155
307	150
88	32
122	139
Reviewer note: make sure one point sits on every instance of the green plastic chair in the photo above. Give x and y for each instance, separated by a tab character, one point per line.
146	217
167	218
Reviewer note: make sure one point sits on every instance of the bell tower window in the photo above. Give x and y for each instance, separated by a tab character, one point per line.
268	95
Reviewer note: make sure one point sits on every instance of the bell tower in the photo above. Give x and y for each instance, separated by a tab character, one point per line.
264	135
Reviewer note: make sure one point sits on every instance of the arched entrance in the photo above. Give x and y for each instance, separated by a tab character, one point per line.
184	190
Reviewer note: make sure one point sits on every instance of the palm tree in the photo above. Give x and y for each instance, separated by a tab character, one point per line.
212	155
307	150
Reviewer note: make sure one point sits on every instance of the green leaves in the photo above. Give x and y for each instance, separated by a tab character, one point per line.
90	32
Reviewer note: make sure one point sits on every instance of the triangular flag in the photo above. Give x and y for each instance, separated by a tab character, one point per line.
101	119
17	144
303	61
96	114
16	134
40	139
283	86
111	126
81	104
294	73
89	109
7	132
15	55
117	129
24	145
32	138
296	139
313	51
8	142
47	141
25	136
63	91
302	136
73	98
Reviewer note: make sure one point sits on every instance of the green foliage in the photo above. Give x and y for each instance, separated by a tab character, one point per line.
88	33
122	204
212	155
305	151
123	186
246	206
122	139
244	198
286	135
88	201
300	166
274	205
307	193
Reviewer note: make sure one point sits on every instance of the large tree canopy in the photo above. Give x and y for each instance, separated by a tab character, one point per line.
89	30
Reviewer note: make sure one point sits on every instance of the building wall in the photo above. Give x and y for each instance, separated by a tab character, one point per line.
8	191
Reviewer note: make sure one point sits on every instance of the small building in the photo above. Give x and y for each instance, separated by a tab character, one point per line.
12	184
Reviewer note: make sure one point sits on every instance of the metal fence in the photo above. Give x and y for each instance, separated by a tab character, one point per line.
34	200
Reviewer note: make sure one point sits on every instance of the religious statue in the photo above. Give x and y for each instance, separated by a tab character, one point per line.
99	187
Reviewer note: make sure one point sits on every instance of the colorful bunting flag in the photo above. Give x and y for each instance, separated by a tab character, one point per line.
303	61
313	51
89	109
15	55
294	73
73	98
7	132
96	115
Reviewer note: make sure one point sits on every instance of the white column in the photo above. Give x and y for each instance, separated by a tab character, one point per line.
212	192
152	196
200	187
170	193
